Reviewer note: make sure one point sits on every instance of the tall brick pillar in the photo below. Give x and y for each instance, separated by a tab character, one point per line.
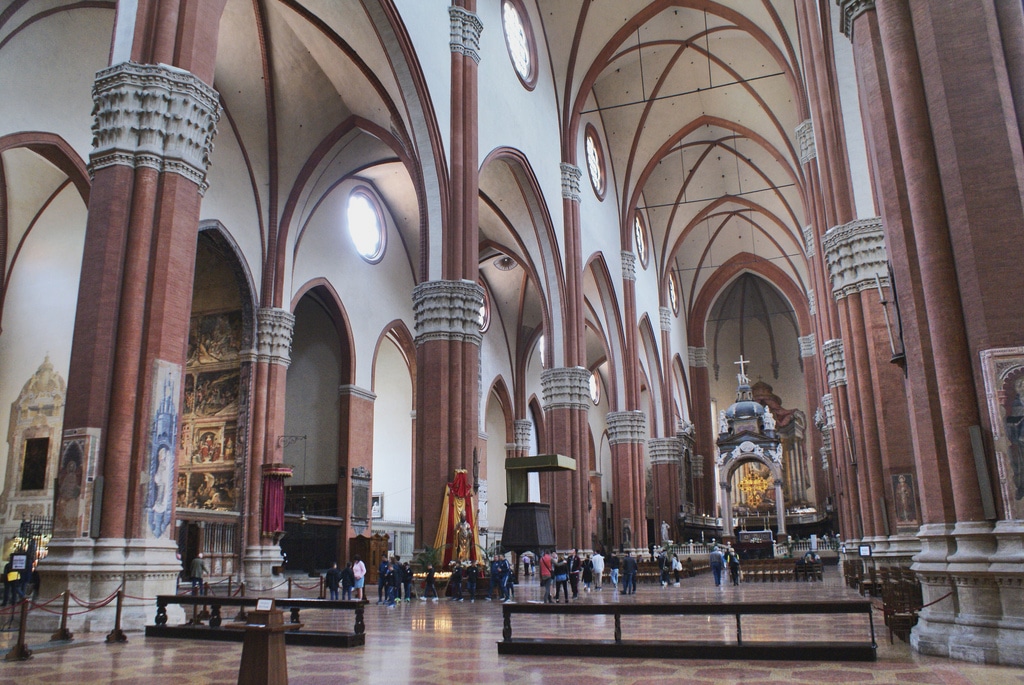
274	330
566	399
705	486
665	456
627	432
447	364
131	332
857	260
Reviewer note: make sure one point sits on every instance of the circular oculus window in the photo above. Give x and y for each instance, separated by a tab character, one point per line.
673	292
519	40
365	225
640	238
595	161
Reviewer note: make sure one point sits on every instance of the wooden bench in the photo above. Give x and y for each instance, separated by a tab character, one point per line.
692	649
195	630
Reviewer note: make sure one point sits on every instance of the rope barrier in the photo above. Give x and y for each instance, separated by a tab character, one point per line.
937	600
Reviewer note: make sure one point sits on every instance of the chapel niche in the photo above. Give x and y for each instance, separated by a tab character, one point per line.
33	440
212	448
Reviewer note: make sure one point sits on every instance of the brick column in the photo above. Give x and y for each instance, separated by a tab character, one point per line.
627	432
566	398
447	363
153	130
665	456
704	444
274	330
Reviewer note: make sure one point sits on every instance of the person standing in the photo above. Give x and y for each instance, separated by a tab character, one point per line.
561	576
546	573
196	571
733	559
399	580
382	572
598	561
348	581
472	576
407	580
677	567
717	561
629	570
575	569
359	576
613	570
455	582
588	573
428	586
333	580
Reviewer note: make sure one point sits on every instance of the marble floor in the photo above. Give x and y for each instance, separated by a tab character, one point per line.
455	642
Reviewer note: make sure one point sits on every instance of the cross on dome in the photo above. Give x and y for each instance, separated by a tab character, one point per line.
742	375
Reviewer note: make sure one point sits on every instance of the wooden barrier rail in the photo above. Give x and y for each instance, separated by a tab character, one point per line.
683	649
195	630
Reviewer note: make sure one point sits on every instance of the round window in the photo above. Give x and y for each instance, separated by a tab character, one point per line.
595	161
519	40
365	225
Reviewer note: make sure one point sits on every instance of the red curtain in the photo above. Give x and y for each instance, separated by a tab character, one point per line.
273	497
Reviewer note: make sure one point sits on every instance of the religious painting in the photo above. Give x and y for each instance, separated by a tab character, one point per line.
1003	373
215	338
212	393
75	475
163	432
210	490
904	497
208	445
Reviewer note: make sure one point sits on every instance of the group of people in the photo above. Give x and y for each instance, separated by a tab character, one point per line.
725	559
568	571
350	580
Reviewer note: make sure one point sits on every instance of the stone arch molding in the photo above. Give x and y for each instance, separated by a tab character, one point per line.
749	451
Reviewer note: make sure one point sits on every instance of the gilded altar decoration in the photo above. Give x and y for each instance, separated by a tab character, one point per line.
457	532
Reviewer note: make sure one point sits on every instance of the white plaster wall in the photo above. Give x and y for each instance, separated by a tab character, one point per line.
497	494
40	303
46	75
846	76
392	433
373	295
312	403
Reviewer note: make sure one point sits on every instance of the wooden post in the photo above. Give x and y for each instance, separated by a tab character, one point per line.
63	633
117	635
20	652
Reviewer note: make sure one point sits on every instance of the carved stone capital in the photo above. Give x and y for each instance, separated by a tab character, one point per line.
571	175
665	314
856	257
448	310
566	388
809	241
664	450
697	356
274	329
835	362
153	115
851	9
626	427
465	35
829	411
628	265
812	303
523	431
805	141
808	345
